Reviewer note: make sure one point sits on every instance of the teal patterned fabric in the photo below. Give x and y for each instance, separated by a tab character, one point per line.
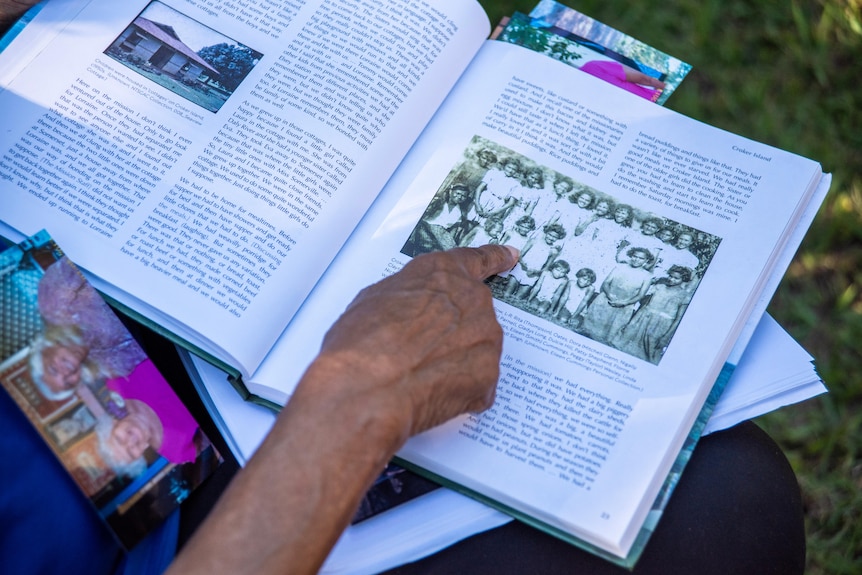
19	313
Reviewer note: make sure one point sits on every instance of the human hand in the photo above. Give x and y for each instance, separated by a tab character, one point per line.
411	351
638	77
424	343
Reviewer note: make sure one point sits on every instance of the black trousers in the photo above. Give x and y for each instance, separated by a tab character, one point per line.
736	510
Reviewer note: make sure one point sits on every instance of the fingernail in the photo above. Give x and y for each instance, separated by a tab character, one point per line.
516	253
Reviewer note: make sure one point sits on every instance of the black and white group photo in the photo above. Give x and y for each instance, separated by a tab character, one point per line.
613	272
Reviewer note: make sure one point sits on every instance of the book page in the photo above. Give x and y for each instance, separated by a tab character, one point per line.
773	361
577	403
194	156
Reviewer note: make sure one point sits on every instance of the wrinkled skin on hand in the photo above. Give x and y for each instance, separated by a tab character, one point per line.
410	352
426	336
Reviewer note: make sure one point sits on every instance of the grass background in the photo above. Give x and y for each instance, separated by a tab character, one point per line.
787	73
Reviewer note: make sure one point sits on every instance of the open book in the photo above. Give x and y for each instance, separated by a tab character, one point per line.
774	371
242	209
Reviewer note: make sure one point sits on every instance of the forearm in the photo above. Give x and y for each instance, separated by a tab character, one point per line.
639	77
410	352
286	509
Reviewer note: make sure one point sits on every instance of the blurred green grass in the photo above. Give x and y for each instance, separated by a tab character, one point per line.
787	73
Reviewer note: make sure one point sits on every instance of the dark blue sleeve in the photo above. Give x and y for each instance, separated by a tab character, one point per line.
48	524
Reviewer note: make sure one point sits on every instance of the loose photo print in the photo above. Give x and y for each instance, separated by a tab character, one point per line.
590	263
566	23
184	56
393	487
93	395
589	57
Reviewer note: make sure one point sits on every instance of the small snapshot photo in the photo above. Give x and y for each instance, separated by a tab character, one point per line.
560	26
589	57
590	262
178	53
93	394
394	486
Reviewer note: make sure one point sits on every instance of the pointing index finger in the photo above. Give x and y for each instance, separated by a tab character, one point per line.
485	261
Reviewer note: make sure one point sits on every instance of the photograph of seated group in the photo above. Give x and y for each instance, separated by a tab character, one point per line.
93	394
590	263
